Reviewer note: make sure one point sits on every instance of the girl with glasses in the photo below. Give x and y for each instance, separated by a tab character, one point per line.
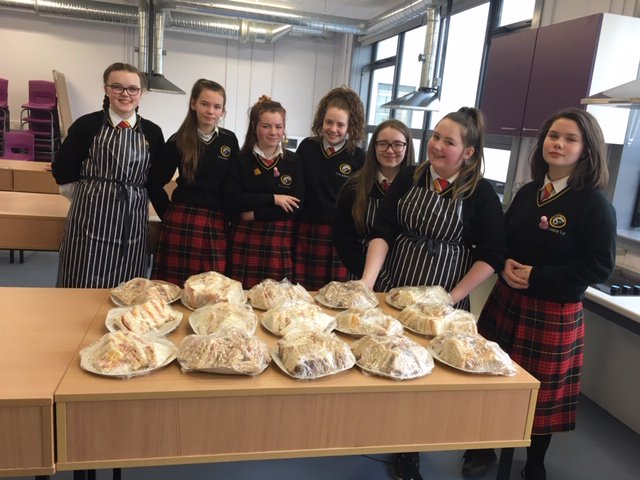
390	149
193	234
329	158
102	167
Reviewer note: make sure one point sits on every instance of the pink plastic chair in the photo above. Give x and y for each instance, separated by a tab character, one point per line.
19	145
42	95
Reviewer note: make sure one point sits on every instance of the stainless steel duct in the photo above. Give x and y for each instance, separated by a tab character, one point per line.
301	23
151	33
426	96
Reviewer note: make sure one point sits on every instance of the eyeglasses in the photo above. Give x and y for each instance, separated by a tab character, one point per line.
397	147
118	89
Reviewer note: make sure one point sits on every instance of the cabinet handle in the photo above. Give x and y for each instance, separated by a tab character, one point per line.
529	129
511	129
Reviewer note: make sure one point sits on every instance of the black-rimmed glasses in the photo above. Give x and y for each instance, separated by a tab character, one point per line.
397	147
118	89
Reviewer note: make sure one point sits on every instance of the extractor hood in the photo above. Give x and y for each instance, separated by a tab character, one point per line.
625	95
426	96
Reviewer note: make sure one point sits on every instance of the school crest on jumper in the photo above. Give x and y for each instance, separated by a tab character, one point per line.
225	151
286	180
558	221
345	169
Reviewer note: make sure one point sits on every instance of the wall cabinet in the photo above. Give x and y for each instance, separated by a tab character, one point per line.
533	73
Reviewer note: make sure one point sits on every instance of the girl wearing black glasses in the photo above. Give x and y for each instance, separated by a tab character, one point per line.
102	168
390	149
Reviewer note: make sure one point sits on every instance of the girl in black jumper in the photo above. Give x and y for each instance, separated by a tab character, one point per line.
193	233
390	149
329	158
561	234
264	191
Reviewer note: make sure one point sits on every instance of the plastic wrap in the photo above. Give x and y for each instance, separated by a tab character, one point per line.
211	287
231	351
432	319
309	355
221	316
297	315
124	354
351	294
151	317
471	353
270	293
139	290
401	297
367	321
395	357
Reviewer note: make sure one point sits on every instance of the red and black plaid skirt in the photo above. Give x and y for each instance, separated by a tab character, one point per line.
192	240
546	339
260	250
316	260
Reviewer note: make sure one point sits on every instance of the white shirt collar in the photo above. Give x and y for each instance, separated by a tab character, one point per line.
257	150
434	175
326	145
380	177
558	185
206	137
116	119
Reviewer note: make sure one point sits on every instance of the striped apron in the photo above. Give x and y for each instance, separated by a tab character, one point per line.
430	249
105	241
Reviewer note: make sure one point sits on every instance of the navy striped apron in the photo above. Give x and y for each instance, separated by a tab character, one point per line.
430	249
105	241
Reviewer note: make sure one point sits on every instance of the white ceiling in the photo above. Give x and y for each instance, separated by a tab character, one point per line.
355	9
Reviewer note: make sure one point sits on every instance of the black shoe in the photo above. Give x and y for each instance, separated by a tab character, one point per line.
534	473
408	466
478	462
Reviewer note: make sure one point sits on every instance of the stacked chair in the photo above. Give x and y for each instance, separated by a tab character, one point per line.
40	117
4	112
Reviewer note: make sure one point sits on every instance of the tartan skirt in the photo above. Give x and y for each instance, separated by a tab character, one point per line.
192	240
259	250
545	338
316	260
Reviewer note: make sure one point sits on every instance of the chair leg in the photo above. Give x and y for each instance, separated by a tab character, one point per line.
117	474
21	256
11	256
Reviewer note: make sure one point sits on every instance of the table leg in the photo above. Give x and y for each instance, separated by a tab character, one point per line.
504	466
79	475
43	477
117	474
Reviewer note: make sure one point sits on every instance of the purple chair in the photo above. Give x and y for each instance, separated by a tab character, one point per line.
42	95
19	145
40	116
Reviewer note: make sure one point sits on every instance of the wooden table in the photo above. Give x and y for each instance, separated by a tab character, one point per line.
35	221
27	176
41	329
169	417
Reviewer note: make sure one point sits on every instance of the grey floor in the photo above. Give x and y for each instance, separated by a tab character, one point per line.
601	447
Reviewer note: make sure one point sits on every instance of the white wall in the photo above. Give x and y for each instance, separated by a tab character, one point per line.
295	71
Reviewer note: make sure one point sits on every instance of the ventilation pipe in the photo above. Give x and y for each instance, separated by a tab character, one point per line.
426	96
151	49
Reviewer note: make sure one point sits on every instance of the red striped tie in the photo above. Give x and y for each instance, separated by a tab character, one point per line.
385	184
440	184
546	192
124	124
331	151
